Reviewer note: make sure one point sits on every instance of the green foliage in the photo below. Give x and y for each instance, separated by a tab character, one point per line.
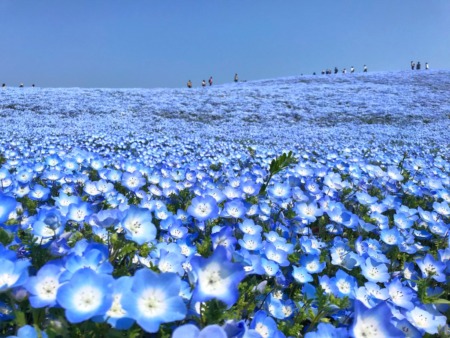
278	164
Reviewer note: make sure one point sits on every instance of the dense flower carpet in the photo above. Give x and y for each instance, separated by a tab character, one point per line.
314	206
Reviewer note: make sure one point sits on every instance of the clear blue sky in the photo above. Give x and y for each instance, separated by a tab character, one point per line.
163	43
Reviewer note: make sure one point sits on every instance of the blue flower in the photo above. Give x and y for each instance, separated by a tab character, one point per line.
374	271
426	321
373	322
85	295
400	295
216	277
203	208
133	181
13	272
265	325
312	263
29	331
192	331
138	225
325	330
44	286
154	299
7	205
431	267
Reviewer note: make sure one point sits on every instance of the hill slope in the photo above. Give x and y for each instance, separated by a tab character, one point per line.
393	108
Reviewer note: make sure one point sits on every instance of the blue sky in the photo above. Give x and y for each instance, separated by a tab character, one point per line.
143	43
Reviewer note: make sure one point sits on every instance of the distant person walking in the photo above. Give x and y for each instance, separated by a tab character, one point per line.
189	84
344	71
336	70
203	83
4	85
365	69
352	70
21	85
236	78
418	65
413	65
323	72
427	66
210	81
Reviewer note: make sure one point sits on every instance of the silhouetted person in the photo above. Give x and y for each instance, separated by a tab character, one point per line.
4	85
323	72
33	85
365	69
203	83
336	70
314	73
344	71
236	79
427	66
352	70
418	65
210	81
21	85
413	65
189	84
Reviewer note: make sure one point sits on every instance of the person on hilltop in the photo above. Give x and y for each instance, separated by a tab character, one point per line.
427	66
236	79
323	72
344	71
4	85
189	84
203	83
352	70
418	65
365	69
413	65
210	80
336	70
21	85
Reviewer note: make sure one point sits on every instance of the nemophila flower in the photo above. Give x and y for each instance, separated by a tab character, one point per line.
409	330
178	231
216	277
224	237
133	181
138	225
7	206
251	242
312	263
44	286
203	208
248	226
171	262
280	191
13	272
279	307
301	275
154	299
78	212
391	236
48	223
325	330
374	271
39	193
106	218
394	174
93	258
24	176
85	295
270	267
425	320
432	268
308	211
442	208
234	209
345	284
278	256
192	331
29	331
365	198
400	295
374	322
265	325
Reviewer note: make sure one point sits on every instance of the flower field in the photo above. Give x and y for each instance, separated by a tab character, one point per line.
313	206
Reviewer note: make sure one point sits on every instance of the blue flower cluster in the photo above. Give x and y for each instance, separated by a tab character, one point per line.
194	237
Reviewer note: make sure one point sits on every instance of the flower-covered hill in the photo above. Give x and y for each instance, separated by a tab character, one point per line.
313	206
397	106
